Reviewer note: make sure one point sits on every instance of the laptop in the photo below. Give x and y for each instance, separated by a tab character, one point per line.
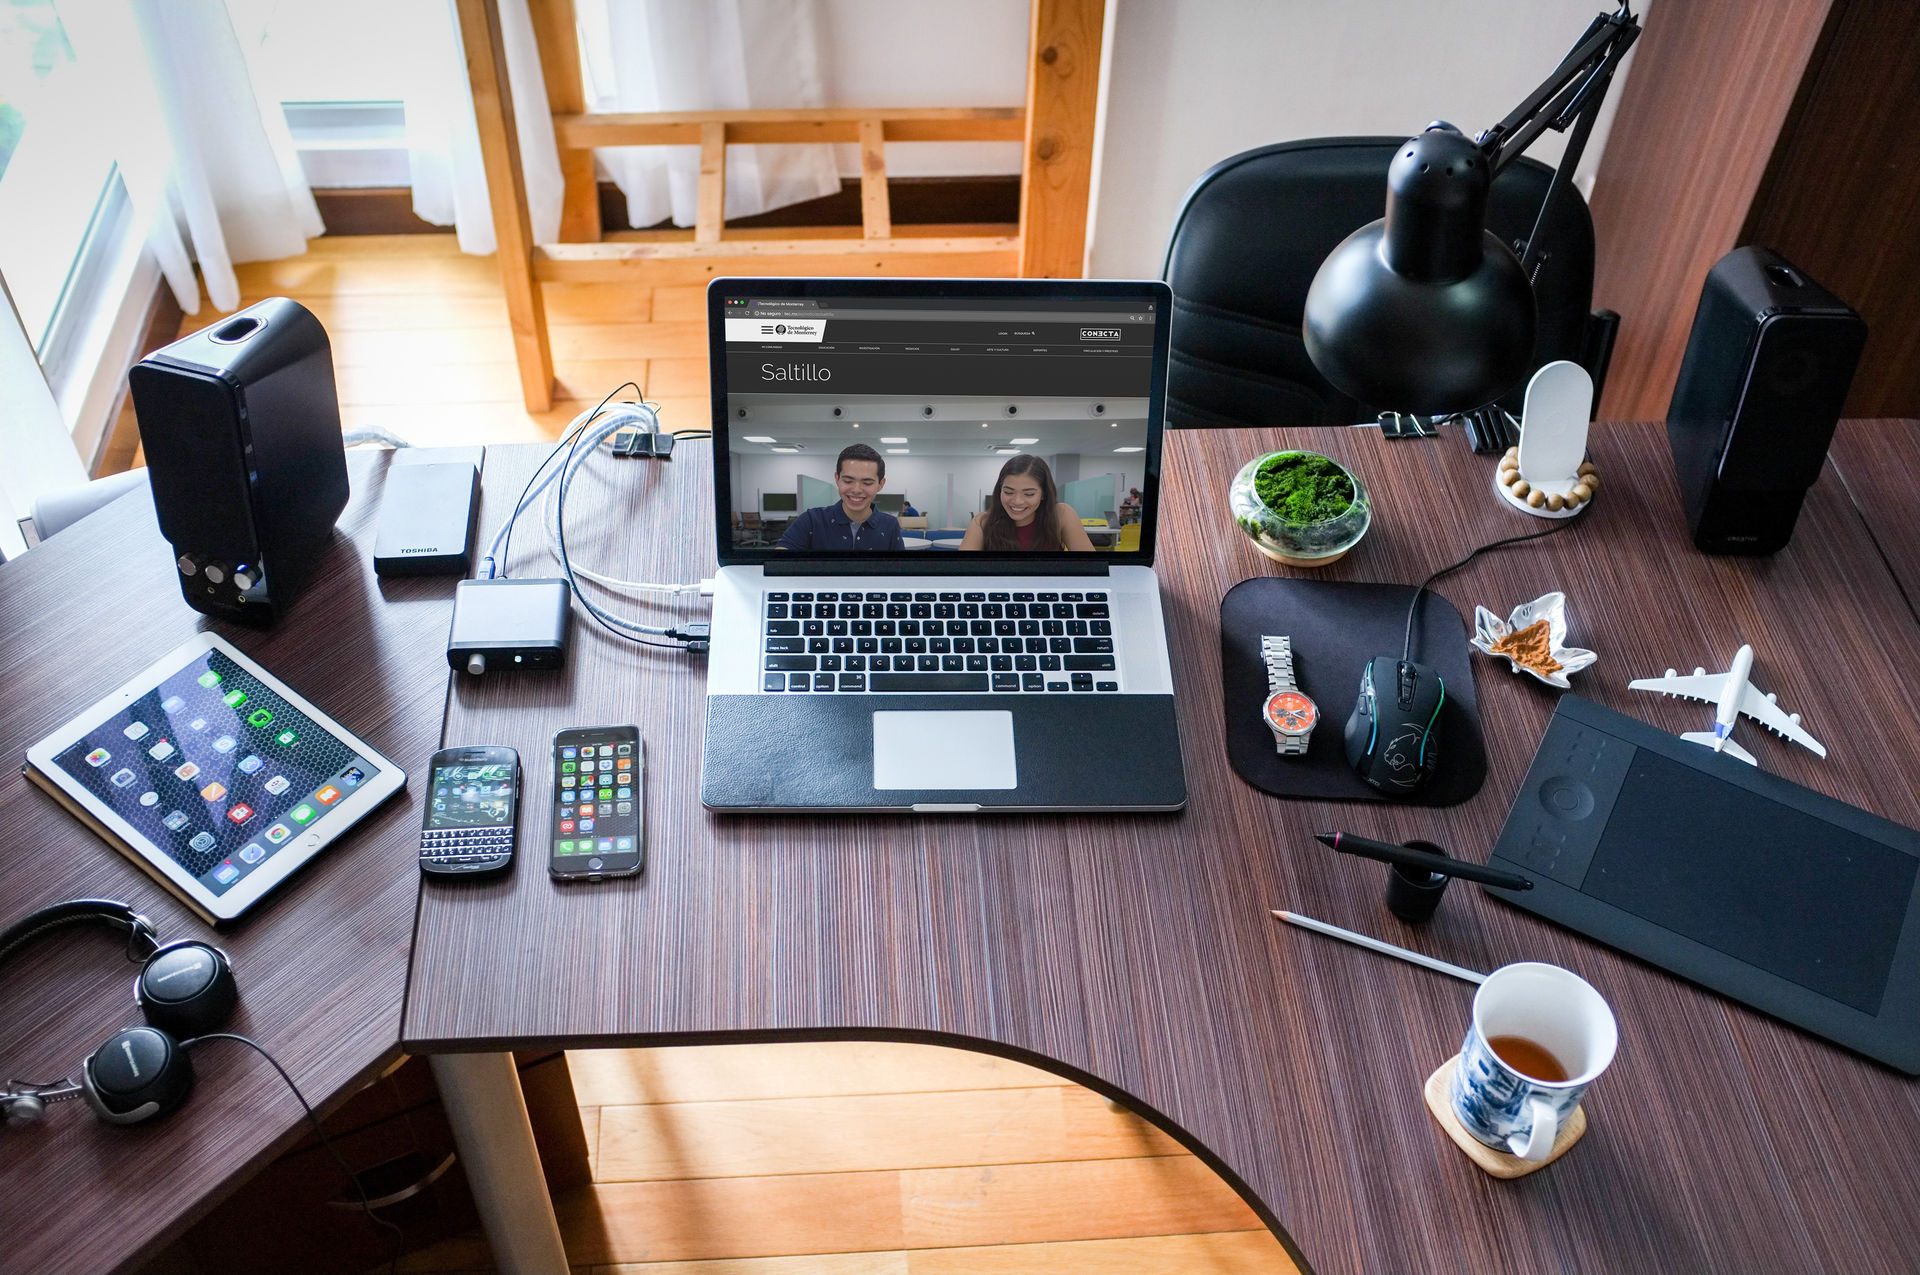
924	602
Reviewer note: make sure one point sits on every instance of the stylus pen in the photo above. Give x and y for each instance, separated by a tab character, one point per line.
1407	857
1385	949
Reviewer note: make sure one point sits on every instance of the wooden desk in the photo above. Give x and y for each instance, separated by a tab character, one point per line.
1136	955
321	965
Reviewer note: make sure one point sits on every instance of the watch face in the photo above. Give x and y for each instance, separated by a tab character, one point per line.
1292	712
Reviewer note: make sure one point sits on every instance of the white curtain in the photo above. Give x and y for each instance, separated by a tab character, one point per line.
40	458
637	55
213	177
720	55
443	143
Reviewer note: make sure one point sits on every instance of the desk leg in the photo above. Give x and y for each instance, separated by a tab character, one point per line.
488	1113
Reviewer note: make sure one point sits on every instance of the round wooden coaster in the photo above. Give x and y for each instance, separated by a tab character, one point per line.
1497	1163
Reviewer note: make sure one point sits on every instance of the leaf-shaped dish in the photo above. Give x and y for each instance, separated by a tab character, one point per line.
1489	628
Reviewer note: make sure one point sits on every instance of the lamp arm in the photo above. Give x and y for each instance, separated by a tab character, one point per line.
1572	92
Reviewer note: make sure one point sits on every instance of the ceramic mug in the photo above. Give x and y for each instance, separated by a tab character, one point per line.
1558	1012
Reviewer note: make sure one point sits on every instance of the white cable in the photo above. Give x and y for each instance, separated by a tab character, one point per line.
506	528
582	437
650	424
569	470
373	434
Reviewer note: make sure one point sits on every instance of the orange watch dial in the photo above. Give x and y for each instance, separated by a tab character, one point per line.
1291	711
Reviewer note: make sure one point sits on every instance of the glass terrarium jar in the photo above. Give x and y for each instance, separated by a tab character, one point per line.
1290	505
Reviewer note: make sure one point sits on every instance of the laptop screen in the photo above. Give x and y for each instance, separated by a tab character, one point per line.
1001	418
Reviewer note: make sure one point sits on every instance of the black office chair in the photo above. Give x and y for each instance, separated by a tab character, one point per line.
1255	228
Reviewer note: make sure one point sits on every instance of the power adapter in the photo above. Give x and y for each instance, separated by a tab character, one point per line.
509	624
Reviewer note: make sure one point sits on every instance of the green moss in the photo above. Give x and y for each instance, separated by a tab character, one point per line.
1303	488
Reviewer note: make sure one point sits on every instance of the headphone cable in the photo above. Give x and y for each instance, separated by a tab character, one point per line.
399	1236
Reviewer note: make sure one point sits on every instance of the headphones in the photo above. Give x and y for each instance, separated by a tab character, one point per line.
184	989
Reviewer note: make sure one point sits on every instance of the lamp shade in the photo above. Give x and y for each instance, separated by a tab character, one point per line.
1424	311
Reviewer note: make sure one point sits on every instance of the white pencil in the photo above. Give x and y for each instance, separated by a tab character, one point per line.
1386	949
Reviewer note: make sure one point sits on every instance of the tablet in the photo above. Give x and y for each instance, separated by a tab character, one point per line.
1799	905
213	776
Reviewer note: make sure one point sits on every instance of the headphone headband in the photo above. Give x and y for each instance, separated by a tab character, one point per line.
142	940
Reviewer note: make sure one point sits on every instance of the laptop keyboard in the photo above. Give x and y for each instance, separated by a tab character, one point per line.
950	642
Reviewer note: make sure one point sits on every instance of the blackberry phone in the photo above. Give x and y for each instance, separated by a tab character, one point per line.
473	804
599	826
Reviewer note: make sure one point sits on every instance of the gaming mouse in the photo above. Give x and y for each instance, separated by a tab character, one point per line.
1393	734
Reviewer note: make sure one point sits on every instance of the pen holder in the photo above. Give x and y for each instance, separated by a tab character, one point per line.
1413	894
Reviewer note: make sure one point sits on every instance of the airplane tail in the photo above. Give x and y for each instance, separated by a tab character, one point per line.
1708	739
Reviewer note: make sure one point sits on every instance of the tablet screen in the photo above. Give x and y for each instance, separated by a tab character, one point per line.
216	769
1777	888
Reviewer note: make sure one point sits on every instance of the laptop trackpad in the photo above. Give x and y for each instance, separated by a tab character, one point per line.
943	750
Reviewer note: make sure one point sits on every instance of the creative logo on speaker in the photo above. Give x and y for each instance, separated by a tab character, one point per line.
1099	334
794	372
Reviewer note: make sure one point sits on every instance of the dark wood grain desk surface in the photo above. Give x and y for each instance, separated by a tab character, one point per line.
321	965
1137	954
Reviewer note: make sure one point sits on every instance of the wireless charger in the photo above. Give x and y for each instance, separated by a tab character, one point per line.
1553	440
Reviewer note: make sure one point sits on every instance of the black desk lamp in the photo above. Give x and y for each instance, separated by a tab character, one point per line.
1425	310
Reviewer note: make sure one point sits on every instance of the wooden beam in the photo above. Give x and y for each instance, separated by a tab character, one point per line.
876	217
682	128
1063	100
486	56
558	38
1005	230
664	264
711	214
1010	127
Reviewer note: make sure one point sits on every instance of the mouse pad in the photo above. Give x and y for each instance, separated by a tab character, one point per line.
1337	627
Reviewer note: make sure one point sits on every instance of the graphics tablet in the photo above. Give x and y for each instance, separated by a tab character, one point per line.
213	776
1773	894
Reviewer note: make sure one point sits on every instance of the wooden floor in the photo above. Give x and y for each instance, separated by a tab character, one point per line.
877	1159
818	1159
421	345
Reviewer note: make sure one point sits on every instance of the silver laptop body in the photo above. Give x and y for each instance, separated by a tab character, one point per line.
862	660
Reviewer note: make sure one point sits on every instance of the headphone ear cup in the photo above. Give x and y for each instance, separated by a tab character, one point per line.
139	1074
187	989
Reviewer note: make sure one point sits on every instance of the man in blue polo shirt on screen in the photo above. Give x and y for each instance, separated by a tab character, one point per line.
853	523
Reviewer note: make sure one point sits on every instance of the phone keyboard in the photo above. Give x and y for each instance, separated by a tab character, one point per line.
465	845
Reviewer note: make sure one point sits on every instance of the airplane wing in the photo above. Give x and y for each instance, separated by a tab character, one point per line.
1703	688
1770	715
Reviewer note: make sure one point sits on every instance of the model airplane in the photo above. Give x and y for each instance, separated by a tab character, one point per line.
1733	694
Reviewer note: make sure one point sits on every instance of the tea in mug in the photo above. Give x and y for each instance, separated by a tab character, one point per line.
1529	1059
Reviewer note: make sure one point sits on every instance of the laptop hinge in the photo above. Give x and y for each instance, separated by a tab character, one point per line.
924	564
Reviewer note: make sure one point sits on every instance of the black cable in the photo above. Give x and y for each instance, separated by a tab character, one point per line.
506	546
399	1236
1406	650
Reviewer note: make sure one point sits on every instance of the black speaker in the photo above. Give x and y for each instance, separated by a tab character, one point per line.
1766	372
241	428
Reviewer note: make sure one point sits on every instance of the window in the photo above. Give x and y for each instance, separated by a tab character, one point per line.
55	162
340	71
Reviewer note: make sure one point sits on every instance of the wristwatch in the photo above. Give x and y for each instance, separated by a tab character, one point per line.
1290	715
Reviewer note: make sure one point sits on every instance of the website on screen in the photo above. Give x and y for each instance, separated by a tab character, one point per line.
871	424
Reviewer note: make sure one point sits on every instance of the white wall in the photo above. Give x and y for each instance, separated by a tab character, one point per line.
1194	82
926	53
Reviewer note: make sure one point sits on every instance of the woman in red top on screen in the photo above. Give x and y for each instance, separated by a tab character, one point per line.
1026	512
